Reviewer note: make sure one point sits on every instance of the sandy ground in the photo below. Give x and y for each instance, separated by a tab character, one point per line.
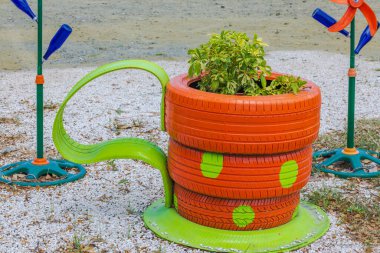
104	211
111	30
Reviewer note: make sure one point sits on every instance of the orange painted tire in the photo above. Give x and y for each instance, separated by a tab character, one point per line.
237	176
235	214
241	124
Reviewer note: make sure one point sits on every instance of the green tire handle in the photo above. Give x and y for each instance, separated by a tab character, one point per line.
122	148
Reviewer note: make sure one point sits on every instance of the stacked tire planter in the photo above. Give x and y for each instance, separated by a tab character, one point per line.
239	162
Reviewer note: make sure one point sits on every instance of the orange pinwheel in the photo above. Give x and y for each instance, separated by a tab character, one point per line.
350	14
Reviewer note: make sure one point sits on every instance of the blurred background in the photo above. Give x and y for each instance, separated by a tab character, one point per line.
109	30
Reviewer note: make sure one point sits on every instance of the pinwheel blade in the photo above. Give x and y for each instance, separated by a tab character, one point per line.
344	21
371	18
340	1
327	20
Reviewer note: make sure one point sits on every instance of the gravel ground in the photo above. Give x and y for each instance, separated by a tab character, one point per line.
103	211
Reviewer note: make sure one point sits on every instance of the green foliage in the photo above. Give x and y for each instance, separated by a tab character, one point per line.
232	63
286	84
77	243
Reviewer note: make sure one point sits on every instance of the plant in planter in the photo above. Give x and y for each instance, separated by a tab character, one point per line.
236	160
241	135
257	111
233	63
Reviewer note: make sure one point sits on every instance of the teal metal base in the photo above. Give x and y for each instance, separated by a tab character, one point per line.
355	161
34	172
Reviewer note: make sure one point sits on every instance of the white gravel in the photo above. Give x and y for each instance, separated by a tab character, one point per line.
104	211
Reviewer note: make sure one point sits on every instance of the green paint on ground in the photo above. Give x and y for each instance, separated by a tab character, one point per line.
243	216
212	165
288	174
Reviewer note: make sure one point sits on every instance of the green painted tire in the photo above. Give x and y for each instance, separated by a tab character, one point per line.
308	225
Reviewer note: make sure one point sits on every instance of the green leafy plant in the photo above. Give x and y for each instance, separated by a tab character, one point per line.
285	84
232	63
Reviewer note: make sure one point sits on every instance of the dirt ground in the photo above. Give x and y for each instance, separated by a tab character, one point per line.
112	30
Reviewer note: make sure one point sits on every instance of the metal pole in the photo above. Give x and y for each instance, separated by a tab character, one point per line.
351	93
40	88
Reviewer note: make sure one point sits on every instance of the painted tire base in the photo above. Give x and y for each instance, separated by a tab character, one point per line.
308	225
241	124
235	214
238	176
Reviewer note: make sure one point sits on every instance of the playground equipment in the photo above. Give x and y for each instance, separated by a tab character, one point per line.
41	166
167	218
350	154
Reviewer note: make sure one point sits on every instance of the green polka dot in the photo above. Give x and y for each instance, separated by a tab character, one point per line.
212	165
288	174
296	212
243	216
175	201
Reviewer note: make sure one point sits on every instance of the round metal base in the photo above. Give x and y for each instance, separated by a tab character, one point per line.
310	224
354	160
34	172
